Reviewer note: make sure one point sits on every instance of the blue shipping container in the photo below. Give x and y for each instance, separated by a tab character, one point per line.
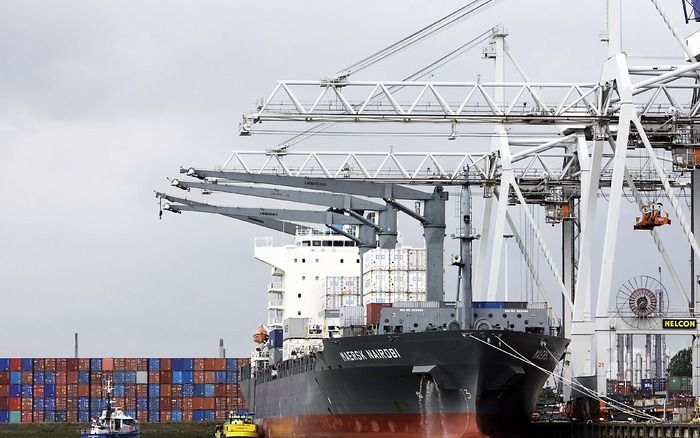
50	404
188	377
176	415
232	377
231	364
130	377
49	390
154	390
15	377
177	377
154	416
15	390
5	366
154	364
119	390
84	377
38	377
27	391
95	364
209	390
50	377
39	404
49	416
198	390
188	390
221	377
131	413
275	339
187	364
176	364
27	364
118	378
142	404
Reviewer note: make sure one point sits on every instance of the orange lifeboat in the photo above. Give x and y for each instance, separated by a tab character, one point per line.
260	335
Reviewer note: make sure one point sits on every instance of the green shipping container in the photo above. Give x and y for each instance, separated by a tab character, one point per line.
15	416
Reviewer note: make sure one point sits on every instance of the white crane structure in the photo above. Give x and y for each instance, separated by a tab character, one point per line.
598	131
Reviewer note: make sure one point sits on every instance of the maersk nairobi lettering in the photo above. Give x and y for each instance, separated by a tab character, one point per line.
378	353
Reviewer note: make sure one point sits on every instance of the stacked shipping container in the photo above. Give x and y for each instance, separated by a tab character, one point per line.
391	275
150	390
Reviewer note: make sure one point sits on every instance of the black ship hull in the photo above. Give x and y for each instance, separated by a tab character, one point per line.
431	384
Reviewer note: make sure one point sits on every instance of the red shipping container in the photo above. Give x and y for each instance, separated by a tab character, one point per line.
61	403
95	390
203	402
154	377
165	416
83	390
61	391
187	416
165	403
72	377
38	416
187	403
130	390
166	377
130	403
166	389
142	416
72	415
4	377
50	364
61	377
220	390
72	403
27	377
142	364
141	390
177	403
15	404
62	365
165	365
15	364
243	361
27	404
4	391
199	364
39	365
72	365
221	403
4	403
107	364
84	364
38	391
373	313
209	365
221	415
210	377
27	417
219	364
72	390
198	377
118	364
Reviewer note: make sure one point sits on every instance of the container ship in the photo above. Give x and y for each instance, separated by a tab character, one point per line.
352	348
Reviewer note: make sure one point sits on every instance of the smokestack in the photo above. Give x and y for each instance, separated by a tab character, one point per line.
222	350
76	345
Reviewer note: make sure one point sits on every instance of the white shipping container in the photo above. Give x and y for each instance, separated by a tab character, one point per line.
399	296
398	281
416	259
377	297
398	259
376	259
352	315
376	281
416	282
142	377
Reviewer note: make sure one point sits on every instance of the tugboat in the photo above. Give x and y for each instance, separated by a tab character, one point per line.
113	423
238	426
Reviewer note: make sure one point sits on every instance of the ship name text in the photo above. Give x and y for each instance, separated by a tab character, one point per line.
378	353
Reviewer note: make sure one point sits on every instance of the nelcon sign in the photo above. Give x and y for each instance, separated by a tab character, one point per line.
680	323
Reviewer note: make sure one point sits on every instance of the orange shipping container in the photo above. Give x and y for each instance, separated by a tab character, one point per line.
15	404
142	364
154	377
203	403
187	415
210	377
166	389
72	377
49	364
27	416
84	364
38	391
108	364
72	365
62	365
4	392
199	364
165	416
61	377
83	390
38	416
61	404
198	377
187	403
27	404
39	365
142	390
27	377
176	403
61	391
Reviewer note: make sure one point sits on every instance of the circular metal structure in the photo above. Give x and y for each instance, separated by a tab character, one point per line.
640	298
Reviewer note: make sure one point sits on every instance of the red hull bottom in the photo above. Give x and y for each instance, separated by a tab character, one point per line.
444	425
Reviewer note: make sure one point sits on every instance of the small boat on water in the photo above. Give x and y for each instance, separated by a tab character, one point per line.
238	426
112	423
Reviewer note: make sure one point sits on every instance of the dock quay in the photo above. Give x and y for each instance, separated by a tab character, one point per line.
614	430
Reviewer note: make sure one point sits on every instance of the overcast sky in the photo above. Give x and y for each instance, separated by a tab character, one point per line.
101	101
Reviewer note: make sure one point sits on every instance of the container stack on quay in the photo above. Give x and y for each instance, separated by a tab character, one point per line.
149	390
392	275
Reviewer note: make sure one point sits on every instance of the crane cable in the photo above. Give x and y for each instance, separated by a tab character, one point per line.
433	28
574	383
